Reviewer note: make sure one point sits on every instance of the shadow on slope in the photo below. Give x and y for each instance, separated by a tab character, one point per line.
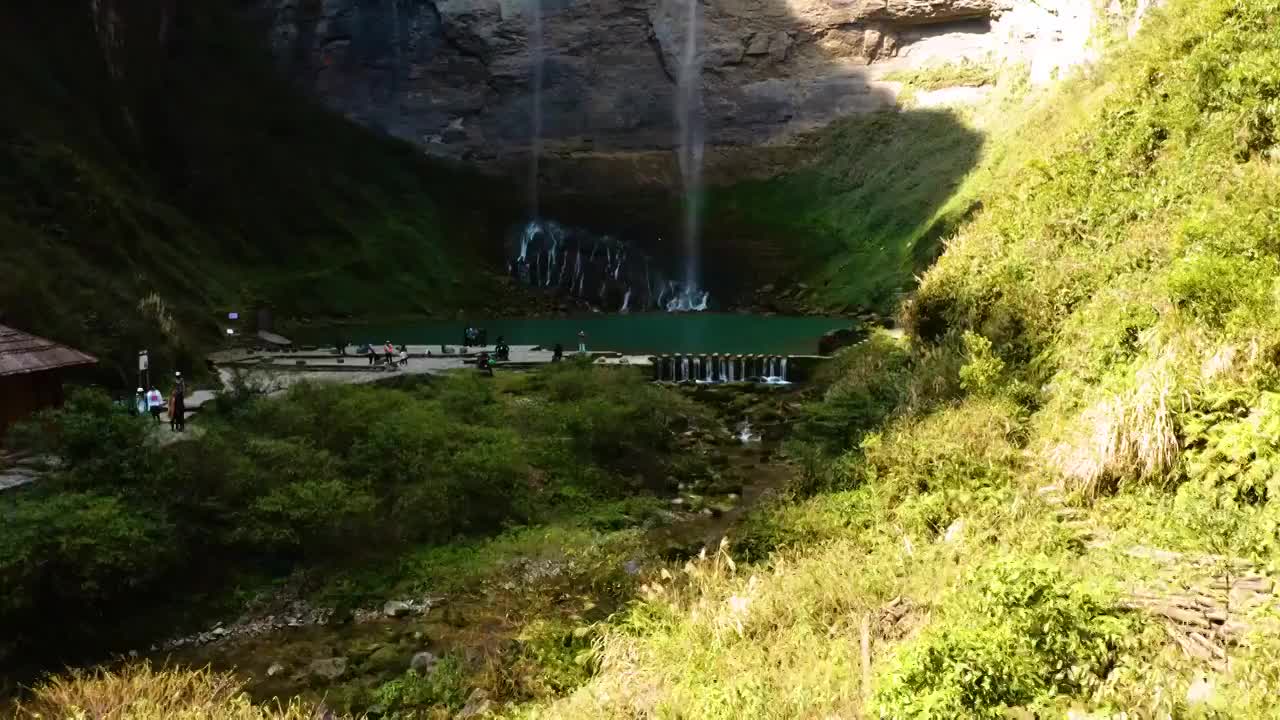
148	151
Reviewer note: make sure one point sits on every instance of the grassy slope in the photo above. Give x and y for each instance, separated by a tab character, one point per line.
195	175
1092	365
864	218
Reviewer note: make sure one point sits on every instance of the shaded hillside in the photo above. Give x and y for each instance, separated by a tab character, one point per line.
154	173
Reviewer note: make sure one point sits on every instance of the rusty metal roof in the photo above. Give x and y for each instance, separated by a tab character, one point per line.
22	353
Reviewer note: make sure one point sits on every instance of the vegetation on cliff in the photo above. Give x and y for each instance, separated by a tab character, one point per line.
155	174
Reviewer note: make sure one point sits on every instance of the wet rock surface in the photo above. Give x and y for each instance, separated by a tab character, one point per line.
455	76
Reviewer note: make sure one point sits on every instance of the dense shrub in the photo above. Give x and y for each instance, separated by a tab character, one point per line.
78	548
322	472
1018	632
867	382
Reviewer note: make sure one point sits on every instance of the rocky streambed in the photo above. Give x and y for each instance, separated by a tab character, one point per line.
482	633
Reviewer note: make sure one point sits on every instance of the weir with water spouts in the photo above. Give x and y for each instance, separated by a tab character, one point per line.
720	368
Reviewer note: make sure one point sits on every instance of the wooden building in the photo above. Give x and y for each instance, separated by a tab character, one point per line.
31	370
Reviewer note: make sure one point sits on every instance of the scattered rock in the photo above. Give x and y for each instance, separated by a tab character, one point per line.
396	608
759	45
275	669
1200	692
478	704
328	668
386	657
955	532
423	662
779	46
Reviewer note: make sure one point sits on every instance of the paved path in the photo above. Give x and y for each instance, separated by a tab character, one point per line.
21	469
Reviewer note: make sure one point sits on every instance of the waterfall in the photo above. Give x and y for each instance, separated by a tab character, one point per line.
783	372
541	253
626	300
535	110
690	142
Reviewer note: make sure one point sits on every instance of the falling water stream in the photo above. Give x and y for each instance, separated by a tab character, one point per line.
536	70
541	256
690	143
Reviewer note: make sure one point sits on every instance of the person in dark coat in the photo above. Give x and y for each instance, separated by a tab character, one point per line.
178	410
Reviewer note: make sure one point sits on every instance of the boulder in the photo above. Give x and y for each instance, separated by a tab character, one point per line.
396	608
387	657
478	705
424	663
328	668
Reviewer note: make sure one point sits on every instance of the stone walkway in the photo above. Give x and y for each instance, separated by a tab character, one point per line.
1207	603
18	469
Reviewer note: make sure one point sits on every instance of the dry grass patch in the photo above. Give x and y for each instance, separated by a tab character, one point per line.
140	692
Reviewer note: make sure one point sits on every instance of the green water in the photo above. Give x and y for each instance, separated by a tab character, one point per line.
638	333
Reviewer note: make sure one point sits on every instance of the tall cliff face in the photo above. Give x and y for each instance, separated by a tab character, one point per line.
456	76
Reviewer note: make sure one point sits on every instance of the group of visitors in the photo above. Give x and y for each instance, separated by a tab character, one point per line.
501	353
152	402
475	337
392	356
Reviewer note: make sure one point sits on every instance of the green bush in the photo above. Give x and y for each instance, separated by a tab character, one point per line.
1019	632
930	471
103	445
554	658
69	549
1237	447
868	382
444	687
319	474
982	370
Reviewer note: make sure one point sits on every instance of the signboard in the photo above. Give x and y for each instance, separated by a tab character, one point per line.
233	316
144	362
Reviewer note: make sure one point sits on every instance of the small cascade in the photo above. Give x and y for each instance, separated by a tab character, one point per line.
626	301
745	434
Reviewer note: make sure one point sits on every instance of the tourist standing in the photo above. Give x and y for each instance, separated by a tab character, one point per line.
140	403
390	351
179	409
155	403
557	353
582	342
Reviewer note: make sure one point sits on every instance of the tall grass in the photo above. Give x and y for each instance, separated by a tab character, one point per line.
141	692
